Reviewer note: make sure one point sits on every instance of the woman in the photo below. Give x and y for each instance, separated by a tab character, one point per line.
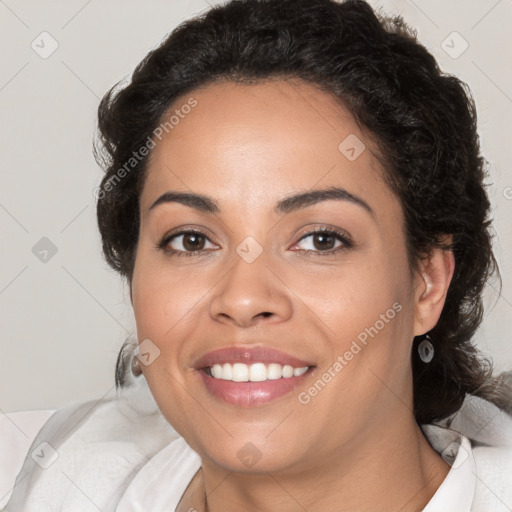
294	192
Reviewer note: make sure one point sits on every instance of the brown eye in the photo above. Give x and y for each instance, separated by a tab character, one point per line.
186	242
323	241
193	242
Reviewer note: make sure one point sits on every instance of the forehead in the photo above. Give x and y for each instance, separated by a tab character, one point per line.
250	140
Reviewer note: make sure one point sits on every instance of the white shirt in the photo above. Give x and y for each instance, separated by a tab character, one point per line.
457	490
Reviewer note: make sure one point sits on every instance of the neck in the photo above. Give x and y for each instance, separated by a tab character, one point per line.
396	469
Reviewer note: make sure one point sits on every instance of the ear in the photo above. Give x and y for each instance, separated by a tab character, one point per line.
432	281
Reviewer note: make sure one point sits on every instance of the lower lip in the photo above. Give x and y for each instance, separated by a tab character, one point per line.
249	394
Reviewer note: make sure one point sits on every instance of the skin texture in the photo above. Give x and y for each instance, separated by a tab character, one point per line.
355	445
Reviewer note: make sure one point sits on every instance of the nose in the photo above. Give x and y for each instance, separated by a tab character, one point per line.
250	293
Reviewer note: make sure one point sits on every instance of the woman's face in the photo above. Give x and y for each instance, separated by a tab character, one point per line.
263	292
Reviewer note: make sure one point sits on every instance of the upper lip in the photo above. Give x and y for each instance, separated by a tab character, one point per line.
249	355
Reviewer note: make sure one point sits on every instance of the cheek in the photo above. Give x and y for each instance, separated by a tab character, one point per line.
160	297
161	303
371	318
354	295
168	306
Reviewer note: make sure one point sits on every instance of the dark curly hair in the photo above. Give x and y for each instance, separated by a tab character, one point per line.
422	120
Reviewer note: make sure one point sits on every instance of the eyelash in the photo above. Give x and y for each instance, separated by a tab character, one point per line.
339	235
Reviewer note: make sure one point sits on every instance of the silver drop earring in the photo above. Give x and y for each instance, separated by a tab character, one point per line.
426	349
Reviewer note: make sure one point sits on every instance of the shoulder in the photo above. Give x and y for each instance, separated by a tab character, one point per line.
493	489
489	431
17	432
91	451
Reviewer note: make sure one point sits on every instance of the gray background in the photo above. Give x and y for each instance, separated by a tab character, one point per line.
63	319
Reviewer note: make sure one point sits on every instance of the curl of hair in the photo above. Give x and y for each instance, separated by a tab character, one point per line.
422	120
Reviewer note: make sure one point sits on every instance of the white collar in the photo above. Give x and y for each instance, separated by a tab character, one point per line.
457	490
160	484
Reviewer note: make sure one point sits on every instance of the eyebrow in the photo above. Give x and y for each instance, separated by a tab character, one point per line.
289	204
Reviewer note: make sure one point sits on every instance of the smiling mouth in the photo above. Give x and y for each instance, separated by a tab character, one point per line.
256	372
248	376
253	385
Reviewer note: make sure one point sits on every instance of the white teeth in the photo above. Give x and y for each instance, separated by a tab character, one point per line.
217	371
274	371
240	372
287	371
257	372
227	372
